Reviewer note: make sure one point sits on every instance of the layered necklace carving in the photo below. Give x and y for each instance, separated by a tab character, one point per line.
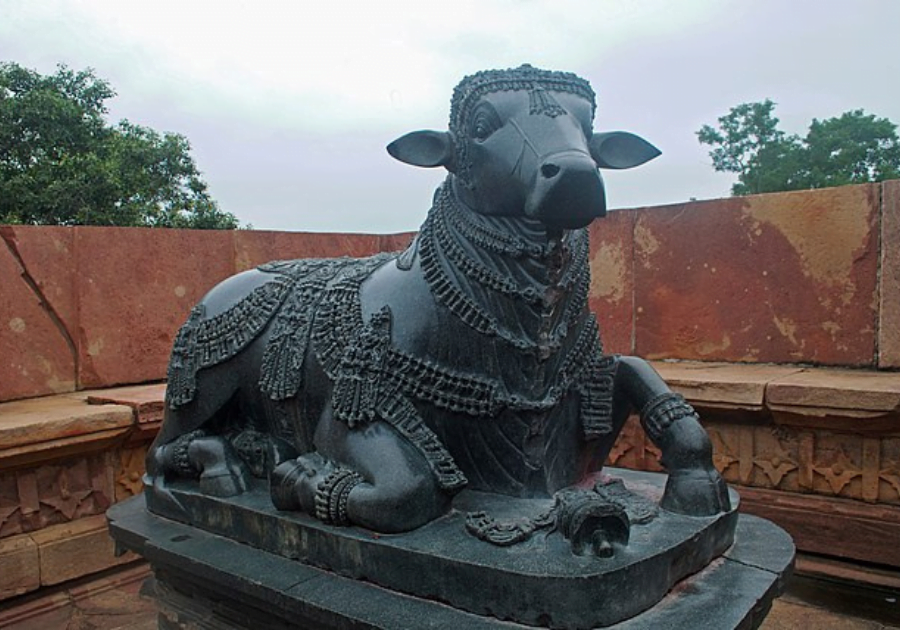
504	277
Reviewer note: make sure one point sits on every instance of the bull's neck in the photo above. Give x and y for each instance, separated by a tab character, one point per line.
505	276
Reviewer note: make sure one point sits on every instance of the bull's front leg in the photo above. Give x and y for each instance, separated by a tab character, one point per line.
694	486
368	476
197	455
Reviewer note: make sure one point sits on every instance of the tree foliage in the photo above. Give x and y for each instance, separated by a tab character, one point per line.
61	163
850	149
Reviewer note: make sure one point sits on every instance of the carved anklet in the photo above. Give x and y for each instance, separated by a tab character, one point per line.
661	411
332	496
180	462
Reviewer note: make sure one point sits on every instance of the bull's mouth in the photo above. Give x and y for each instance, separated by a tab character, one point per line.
569	203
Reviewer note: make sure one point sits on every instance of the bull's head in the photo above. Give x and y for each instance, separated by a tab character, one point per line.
521	144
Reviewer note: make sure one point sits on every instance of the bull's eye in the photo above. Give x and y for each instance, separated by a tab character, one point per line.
484	122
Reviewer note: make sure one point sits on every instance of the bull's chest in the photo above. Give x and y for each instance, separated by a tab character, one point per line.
513	422
510	421
519	453
453	351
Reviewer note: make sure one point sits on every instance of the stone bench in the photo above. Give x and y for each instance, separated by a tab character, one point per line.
64	460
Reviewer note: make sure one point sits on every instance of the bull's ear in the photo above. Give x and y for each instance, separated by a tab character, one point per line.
424	148
620	149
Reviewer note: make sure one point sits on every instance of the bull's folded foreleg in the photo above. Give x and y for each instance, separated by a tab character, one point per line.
209	458
368	476
694	486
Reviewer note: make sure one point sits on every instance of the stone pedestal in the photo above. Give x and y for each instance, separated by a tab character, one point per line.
270	571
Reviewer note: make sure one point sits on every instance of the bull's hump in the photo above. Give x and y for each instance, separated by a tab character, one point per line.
233	290
407	295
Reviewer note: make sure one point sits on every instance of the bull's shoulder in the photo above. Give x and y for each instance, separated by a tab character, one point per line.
405	292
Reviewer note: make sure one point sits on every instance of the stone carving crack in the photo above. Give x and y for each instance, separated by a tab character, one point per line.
9	238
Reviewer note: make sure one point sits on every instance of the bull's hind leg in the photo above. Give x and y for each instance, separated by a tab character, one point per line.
694	486
198	453
369	476
209	458
215	360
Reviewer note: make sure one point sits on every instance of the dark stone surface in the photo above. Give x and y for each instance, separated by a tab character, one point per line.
734	591
370	391
538	582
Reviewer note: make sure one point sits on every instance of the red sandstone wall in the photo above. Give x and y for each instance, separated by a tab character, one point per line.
804	277
89	307
781	278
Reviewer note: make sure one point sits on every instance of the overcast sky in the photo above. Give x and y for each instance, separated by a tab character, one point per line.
289	105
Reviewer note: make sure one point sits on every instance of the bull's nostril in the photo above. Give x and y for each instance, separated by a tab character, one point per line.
549	170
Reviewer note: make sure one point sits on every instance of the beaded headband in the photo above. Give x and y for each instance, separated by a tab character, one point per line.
526	77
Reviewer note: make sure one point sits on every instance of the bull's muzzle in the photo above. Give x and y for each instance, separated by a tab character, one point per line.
567	192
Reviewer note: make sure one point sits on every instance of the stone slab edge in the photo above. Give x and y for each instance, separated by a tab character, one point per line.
889	289
532	590
750	575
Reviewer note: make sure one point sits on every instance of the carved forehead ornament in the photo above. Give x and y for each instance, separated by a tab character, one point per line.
539	83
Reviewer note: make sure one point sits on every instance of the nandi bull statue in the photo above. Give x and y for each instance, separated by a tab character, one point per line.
369	392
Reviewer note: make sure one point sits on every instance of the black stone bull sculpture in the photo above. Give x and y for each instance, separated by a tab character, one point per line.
369	391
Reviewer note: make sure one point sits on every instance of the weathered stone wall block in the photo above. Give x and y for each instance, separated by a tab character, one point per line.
134	294
889	298
784	278
37	312
611	295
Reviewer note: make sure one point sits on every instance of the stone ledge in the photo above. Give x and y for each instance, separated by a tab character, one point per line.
38	430
722	385
815	397
824	567
72	550
21	566
146	401
114	599
41	429
830	526
848	390
35	420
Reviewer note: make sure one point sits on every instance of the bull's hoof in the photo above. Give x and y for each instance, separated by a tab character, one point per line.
222	473
293	483
696	492
282	484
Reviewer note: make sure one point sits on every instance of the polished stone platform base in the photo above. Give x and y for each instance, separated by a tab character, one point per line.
208	581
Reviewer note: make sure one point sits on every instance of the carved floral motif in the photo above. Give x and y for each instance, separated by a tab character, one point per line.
839	472
31	499
786	458
130	471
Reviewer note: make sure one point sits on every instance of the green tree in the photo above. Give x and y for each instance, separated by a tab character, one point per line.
853	148
61	163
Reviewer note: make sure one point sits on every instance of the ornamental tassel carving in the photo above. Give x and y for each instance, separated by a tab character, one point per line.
542	102
597	399
357	388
